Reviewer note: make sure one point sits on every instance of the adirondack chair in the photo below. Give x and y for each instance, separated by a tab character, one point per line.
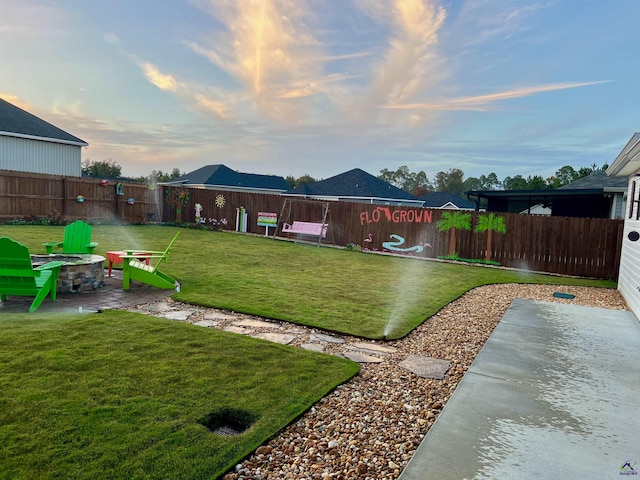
77	239
135	268
18	277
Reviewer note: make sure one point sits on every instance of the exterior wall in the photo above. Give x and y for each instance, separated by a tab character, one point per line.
629	276
619	206
26	155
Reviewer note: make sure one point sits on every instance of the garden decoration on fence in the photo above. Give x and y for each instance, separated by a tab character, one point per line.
198	209
178	197
490	223
452	221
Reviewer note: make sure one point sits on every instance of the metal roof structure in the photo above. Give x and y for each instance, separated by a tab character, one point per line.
588	196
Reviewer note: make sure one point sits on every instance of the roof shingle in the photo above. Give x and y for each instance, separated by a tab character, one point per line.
17	122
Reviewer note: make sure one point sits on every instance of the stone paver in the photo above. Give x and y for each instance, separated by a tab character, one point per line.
320	337
426	367
360	357
218	316
366	351
374	348
314	347
236	329
282	338
179	315
207	323
256	324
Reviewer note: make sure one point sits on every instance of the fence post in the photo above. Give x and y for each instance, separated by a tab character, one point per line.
65	190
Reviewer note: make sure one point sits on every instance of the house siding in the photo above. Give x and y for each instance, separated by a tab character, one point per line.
629	277
26	155
620	201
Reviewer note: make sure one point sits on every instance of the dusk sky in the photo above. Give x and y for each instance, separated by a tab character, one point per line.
293	87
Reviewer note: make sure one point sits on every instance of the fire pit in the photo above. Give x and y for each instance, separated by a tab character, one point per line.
80	273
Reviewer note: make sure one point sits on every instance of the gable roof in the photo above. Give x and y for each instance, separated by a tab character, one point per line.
222	176
446	200
355	184
15	122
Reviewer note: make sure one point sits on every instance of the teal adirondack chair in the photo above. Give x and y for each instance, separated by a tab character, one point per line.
18	277
77	239
135	268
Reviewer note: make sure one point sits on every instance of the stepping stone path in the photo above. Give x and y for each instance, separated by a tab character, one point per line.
307	338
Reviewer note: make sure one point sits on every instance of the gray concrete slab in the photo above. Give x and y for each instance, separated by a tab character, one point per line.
554	393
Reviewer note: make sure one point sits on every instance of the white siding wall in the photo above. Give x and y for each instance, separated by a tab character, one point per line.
37	156
619	205
629	277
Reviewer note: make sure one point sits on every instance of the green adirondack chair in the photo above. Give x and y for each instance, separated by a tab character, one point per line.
135	268
18	277
77	239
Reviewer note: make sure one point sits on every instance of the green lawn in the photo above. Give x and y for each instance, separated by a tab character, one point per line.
119	395
366	295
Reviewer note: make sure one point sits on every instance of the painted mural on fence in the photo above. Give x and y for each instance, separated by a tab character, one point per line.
397	216
450	222
398	245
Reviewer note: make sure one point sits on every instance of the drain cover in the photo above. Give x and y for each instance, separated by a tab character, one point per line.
227	431
228	422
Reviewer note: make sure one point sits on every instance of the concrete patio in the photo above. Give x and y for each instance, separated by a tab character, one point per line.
554	393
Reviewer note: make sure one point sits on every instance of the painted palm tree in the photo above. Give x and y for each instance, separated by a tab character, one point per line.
452	221
490	223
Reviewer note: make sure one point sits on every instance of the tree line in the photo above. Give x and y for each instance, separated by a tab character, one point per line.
418	183
454	181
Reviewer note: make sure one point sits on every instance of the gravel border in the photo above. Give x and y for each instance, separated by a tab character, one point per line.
369	427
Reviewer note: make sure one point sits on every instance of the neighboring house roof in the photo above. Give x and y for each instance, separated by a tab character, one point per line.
598	179
15	122
355	185
628	160
446	200
220	176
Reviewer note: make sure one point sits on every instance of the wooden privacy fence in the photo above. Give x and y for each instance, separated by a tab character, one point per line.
37	195
587	247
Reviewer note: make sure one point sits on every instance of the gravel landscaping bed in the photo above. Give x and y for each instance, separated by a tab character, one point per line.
370	427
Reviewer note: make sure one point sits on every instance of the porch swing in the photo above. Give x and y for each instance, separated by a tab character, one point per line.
315	229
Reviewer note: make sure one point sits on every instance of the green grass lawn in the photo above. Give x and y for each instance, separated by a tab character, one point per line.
119	395
366	295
